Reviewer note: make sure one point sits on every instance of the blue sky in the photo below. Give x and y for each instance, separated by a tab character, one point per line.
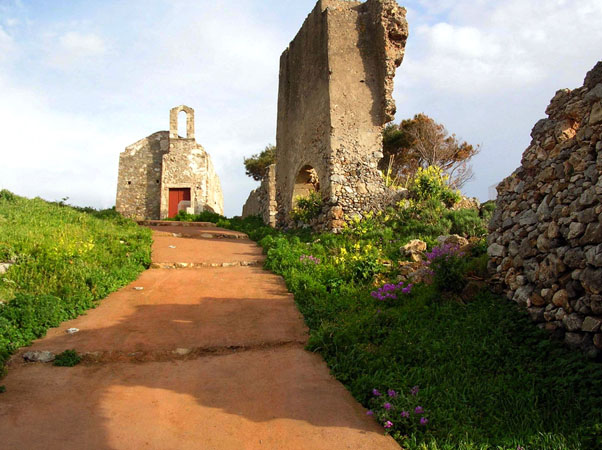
80	80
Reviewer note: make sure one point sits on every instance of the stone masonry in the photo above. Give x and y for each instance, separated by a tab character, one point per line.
545	245
164	161
336	81
262	201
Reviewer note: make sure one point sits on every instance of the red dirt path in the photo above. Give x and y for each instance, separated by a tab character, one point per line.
208	358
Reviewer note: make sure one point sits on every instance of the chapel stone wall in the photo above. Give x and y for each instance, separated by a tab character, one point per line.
149	168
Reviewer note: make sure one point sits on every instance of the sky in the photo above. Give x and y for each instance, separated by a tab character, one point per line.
81	79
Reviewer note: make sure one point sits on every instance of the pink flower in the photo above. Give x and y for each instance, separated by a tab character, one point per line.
405	414
391	393
419	410
388	424
423	421
376	392
387	406
370	413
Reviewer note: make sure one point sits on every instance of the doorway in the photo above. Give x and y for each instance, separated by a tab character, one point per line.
176	195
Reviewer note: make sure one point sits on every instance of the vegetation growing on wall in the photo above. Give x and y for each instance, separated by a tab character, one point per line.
307	208
256	166
63	259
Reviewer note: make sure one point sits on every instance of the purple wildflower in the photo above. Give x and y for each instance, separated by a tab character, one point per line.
415	390
309	258
423	421
390	290
370	413
443	251
388	424
419	410
405	414
387	406
376	392
391	393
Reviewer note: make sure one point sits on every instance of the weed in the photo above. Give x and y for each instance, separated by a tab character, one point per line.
204	216
307	208
68	358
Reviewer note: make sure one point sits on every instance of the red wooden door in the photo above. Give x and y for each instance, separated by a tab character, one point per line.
176	195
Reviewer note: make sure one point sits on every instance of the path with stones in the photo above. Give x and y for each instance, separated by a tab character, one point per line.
209	354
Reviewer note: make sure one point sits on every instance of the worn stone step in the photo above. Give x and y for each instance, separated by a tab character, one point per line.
187	265
165	223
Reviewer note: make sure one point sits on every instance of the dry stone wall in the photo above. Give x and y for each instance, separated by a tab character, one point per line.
149	168
262	201
545	245
336	81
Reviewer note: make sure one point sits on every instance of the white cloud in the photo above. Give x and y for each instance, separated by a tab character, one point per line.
465	59
82	44
11	22
7	45
53	154
73	48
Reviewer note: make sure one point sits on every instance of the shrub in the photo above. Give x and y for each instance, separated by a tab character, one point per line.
486	210
307	208
478	266
256	166
203	216
466	222
431	184
68	358
448	266
424	220
7	196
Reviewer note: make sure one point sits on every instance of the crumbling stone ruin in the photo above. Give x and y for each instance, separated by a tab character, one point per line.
546	233
165	173
335	96
262	201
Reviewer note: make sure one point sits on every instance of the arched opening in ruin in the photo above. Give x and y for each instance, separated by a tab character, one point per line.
306	182
183	124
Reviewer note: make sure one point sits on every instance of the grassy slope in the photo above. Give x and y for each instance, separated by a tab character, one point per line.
65	260
488	377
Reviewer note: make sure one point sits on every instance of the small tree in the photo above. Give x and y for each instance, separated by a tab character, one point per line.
257	165
422	142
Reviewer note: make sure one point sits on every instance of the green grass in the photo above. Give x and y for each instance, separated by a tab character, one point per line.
65	260
489	379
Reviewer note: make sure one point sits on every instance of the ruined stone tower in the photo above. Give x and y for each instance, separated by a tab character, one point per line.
164	173
336	81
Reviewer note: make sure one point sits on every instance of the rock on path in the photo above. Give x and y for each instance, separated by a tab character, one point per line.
201	358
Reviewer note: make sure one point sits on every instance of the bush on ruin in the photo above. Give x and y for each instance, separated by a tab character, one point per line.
421	142
257	165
